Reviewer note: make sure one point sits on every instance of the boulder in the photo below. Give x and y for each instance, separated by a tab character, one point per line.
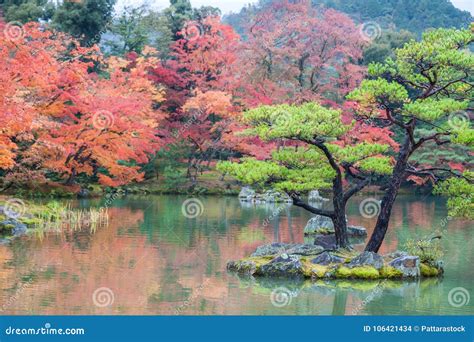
367	259
356	231
246	194
272	249
4	241
17	228
324	225
245	267
327	258
408	265
314	196
305	250
319	225
284	265
395	255
271	196
327	242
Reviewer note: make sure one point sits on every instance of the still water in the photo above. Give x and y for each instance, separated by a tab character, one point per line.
152	260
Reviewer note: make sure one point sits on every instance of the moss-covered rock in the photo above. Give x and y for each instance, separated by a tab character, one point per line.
389	272
360	272
428	271
347	264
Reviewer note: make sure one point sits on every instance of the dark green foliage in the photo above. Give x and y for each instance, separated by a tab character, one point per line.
413	15
179	12
130	32
383	47
27	10
85	19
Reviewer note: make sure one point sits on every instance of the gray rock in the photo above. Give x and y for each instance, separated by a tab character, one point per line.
324	225
246	194
367	259
327	258
245	267
319	224
327	242
314	196
356	231
395	255
272	249
83	193
408	265
4	242
271	196
17	229
284	265
305	250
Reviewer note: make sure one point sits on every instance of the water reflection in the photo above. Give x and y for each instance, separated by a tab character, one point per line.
156	261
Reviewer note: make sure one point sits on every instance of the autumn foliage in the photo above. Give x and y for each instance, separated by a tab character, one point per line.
60	117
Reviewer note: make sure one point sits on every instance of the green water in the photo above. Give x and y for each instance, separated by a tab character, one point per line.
152	260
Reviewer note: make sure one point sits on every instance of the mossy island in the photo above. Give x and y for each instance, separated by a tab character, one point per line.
315	262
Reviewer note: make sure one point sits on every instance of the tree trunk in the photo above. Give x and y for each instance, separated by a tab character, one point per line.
339	218
388	200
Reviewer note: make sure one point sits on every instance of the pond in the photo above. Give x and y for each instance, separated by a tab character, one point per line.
153	260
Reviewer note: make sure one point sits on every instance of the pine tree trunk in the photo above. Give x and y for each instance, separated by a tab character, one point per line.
339	219
388	200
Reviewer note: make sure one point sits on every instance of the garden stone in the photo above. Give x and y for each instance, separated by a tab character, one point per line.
327	242
356	231
246	194
367	259
395	255
17	227
284	265
272	249
327	258
305	250
319	224
245	267
314	196
408	265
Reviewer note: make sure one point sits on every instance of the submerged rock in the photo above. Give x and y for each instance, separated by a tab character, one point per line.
408	265
327	258
367	259
285	265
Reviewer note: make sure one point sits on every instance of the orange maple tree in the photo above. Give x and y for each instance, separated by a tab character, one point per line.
59	115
